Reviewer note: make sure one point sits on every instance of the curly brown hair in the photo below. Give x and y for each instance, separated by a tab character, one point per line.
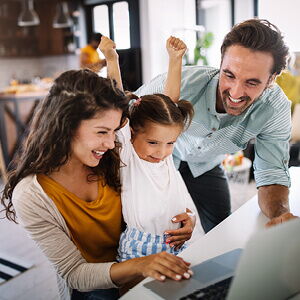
76	95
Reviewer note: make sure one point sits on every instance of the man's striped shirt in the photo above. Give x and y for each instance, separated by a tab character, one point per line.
203	145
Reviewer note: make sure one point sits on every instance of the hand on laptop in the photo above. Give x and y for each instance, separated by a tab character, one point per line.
282	218
179	236
161	266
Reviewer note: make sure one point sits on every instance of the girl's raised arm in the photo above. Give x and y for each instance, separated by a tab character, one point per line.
176	49
108	48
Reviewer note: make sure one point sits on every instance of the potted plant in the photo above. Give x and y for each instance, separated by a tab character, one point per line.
202	44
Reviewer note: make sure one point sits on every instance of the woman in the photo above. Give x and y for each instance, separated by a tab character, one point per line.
65	190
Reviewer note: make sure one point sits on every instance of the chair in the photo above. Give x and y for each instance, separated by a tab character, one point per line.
2	166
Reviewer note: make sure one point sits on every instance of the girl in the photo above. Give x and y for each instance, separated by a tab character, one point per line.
65	190
152	189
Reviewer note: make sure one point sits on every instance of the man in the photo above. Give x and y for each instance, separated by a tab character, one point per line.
89	57
234	105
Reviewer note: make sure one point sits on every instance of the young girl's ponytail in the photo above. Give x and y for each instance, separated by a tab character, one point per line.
187	112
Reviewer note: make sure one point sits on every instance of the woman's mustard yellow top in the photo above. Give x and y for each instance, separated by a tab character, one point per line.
95	226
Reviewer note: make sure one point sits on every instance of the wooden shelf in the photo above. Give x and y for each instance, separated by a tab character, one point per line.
33	41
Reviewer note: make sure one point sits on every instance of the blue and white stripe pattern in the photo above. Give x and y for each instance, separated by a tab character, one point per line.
267	122
135	243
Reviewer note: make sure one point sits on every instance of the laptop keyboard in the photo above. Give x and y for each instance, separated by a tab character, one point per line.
217	291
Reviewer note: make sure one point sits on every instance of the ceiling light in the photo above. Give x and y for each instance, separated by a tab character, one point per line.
28	16
62	17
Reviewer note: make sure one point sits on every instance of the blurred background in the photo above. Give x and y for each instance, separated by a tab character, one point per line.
39	39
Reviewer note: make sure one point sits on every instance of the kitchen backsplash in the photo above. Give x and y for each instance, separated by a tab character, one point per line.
28	68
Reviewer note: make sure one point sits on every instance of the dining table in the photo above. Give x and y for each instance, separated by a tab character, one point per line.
13	123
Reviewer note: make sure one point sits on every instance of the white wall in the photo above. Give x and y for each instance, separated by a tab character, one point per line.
27	68
243	10
218	21
160	19
286	16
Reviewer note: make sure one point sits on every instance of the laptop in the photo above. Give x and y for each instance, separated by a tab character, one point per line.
268	268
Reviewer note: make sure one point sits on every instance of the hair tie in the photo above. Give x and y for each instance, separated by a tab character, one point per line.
135	102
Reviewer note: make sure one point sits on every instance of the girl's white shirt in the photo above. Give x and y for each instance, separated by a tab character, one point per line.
152	193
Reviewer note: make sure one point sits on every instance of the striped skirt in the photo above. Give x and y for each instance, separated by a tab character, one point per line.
134	243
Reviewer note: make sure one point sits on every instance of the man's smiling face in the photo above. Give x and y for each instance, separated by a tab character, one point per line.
244	75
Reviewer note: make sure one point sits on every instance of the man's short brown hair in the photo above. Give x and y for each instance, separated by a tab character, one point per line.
259	35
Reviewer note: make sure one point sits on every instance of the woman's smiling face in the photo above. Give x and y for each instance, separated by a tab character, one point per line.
94	137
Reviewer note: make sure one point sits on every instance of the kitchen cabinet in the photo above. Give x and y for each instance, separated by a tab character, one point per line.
15	40
30	41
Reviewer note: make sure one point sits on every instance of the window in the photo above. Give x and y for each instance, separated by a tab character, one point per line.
112	20
121	25
101	20
119	20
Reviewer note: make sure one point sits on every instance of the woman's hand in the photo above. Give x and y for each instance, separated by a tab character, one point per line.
162	265
108	48
181	235
158	266
176	47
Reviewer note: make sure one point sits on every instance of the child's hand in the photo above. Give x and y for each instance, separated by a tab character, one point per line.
175	47
108	48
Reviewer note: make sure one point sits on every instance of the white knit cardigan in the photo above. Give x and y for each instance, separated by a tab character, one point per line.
37	213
